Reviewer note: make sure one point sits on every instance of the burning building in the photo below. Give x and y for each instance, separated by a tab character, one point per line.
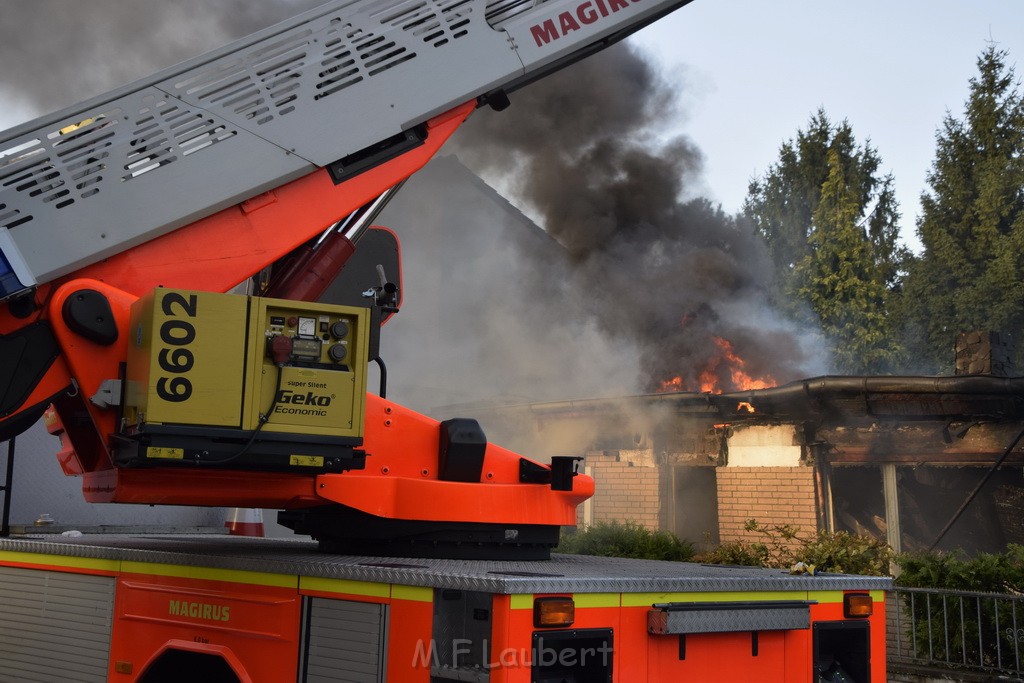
494	327
890	457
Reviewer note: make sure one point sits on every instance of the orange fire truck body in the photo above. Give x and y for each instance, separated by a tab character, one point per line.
216	608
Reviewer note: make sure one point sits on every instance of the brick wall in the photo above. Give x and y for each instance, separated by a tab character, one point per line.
625	492
771	495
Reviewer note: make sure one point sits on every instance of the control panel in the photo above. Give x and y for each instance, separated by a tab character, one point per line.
308	370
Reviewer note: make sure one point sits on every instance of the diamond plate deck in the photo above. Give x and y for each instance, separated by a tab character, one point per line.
563	573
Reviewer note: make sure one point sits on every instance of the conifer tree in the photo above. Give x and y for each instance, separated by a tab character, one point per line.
830	221
842	282
970	275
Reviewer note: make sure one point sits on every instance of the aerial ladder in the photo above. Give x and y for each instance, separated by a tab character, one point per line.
124	220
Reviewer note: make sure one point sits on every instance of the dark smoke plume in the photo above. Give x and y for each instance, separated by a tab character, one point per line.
583	149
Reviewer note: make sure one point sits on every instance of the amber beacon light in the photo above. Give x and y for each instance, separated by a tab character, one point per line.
553	612
857	605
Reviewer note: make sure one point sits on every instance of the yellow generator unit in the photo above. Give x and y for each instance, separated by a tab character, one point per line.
223	380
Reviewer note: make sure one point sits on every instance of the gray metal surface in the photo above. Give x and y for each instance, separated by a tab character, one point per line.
54	626
147	163
555	30
140	161
460	634
728	617
563	573
344	641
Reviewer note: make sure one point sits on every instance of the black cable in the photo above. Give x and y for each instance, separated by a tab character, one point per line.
264	419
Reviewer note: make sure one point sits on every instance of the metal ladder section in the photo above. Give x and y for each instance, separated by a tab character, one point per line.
142	160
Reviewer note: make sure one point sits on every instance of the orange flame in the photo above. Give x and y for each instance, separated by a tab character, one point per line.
674	384
709	378
740	379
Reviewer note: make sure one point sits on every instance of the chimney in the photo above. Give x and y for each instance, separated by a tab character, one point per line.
984	353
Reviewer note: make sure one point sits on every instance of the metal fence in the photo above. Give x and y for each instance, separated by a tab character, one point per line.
961	630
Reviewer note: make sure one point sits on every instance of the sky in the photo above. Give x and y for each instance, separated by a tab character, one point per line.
754	72
750	73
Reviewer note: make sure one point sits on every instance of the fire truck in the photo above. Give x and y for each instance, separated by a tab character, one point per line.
124	223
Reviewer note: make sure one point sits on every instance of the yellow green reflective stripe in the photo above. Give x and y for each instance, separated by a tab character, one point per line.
415	593
341	586
585	600
647	599
830	597
59	561
581	600
825	597
522	601
65	562
207	574
345	586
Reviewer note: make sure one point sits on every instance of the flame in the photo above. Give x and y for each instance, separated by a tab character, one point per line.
674	384
740	379
726	363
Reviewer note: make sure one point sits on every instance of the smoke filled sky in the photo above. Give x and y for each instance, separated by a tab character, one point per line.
668	273
697	107
752	71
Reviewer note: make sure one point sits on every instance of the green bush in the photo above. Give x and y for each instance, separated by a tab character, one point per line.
628	539
739	553
783	546
985	572
966	626
848	554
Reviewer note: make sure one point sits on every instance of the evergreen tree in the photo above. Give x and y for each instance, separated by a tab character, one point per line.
842	282
830	222
970	275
